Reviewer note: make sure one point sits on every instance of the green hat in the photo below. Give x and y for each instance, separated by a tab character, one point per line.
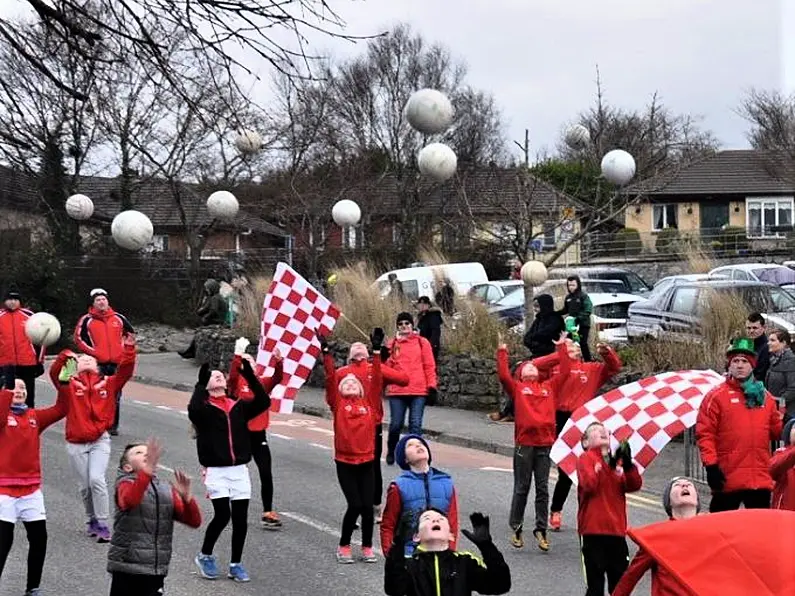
742	345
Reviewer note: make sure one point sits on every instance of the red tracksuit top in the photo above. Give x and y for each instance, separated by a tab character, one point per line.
238	387
782	469
601	492
584	380
534	401
20	447
15	347
363	370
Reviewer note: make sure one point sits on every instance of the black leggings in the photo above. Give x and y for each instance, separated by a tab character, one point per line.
378	479
37	548
563	485
128	584
356	482
221	515
261	453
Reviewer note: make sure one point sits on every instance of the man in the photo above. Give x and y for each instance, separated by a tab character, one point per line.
99	333
19	359
429	324
736	422
396	286
212	310
755	329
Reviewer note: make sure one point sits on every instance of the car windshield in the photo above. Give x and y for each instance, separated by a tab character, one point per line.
765	299
511	289
775	275
613	310
636	282
512	299
603	286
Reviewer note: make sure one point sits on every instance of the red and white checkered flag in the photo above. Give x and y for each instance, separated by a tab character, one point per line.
293	315
648	413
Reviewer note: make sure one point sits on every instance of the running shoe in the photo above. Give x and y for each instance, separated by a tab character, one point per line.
238	573
271	521
344	555
91	528
541	539
368	556
208	568
103	533
555	521
516	539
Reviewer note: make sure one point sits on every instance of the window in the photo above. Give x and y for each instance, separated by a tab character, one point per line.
663	216
549	234
493	294
685	301
160	243
317	239
768	218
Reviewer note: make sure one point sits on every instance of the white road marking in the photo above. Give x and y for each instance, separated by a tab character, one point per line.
185	412
163	407
319	446
166	468
321	527
140	403
492	469
278	436
324	431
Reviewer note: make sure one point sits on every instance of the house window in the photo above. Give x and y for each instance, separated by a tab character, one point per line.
663	216
160	243
549	234
321	237
768	217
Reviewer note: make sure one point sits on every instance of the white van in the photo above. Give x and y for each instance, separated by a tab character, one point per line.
422	281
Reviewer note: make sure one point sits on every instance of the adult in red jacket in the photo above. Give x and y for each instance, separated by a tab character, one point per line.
353	407
413	355
258	426
91	409
99	333
782	469
736	423
582	384
19	359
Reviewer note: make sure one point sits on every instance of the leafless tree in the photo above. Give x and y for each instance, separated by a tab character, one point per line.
771	115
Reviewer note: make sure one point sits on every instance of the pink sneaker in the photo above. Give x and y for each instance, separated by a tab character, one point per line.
344	555
368	556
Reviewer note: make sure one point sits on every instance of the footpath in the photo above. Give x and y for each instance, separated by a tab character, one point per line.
463	428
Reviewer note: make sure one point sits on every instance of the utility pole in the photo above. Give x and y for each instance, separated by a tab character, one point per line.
525	147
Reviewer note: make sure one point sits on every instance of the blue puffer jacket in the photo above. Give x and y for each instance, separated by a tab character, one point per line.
419	492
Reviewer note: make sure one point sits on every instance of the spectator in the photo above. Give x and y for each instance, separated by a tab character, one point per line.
100	333
396	286
780	378
429	324
736	423
212	310
445	298
578	304
546	327
755	329
19	359
516	271
782	468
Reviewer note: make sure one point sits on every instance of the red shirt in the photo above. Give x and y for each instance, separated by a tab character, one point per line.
15	347
601	492
584	380
534	401
91	398
782	469
363	371
240	389
129	495
20	446
354	417
663	583
100	333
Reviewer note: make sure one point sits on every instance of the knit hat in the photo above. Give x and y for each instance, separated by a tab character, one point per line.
358	351
400	450
787	432
97	292
666	497
404	316
742	346
12	294
350	377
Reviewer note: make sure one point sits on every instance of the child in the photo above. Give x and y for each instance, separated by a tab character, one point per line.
90	400
143	528
418	488
258	426
782	469
354	410
20	478
224	449
436	568
604	480
680	501
534	435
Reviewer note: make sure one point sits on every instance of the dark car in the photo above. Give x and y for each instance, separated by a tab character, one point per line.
633	283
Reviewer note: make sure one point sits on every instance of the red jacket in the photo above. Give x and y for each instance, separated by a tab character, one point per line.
91	398
584	381
663	583
130	495
601	492
20	448
354	418
240	389
782	469
534	401
363	371
736	437
412	355
100	334
15	347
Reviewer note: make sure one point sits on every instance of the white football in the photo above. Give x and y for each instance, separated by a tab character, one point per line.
429	111
534	273
618	167
43	329
438	162
578	136
79	207
248	142
346	213
222	204
132	230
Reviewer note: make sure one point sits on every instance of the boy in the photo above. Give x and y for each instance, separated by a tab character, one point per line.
418	488
680	501
603	482
20	476
534	435
436	568
146	508
782	469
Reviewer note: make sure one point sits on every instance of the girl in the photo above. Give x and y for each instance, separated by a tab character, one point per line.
224	449
354	411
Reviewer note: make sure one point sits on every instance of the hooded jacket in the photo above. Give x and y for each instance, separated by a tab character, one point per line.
413	355
213	308
15	347
780	378
99	334
363	370
546	327
578	304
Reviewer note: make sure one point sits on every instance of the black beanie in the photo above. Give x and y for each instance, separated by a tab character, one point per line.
404	316
12	294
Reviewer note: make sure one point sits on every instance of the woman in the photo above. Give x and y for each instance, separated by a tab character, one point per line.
577	304
780	378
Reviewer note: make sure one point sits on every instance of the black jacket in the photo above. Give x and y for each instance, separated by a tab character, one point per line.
460	573
762	358
222	439
780	379
578	304
212	309
429	324
546	328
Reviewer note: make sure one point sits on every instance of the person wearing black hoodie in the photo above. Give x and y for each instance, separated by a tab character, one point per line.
429	324
212	311
578	304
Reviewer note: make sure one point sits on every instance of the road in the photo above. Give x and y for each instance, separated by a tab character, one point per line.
299	560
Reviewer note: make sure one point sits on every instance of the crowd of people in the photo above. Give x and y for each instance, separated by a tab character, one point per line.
418	517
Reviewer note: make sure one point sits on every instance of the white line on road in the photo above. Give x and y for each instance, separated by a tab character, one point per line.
321	527
278	436
492	469
163	407
140	403
166	468
319	446
325	431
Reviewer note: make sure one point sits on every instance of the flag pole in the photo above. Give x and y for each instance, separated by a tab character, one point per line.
352	324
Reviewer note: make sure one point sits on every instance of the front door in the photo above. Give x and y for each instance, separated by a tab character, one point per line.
714	215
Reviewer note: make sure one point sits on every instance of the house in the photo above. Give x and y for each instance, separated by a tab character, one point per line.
745	189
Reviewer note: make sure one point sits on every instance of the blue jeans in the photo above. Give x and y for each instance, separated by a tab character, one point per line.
398	406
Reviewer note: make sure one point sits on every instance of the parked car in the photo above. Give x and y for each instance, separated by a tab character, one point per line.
767	272
678	312
633	283
665	283
494	291
423	281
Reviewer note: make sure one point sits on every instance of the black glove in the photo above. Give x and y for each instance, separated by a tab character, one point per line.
480	534
204	375
9	378
385	354
247	372
626	455
715	478
377	339
433	394
612	460
323	344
